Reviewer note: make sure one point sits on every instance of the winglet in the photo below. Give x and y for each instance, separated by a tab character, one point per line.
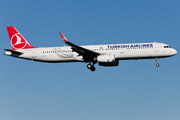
63	37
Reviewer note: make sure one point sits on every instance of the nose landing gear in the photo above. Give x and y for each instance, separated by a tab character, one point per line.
91	67
157	64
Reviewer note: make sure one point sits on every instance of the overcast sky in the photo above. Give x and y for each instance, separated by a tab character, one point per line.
134	90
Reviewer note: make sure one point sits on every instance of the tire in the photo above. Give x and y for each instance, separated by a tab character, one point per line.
157	65
89	66
93	68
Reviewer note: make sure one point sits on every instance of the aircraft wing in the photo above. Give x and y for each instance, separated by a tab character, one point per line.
78	49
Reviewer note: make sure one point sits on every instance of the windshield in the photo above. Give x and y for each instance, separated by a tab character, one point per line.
167	47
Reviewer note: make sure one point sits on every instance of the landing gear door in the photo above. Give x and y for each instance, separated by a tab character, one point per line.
156	47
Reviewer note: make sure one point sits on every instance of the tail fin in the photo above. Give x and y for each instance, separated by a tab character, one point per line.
17	40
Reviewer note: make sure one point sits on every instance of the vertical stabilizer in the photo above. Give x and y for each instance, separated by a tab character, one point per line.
17	40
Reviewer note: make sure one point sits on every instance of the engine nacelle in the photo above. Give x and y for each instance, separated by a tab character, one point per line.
106	58
115	63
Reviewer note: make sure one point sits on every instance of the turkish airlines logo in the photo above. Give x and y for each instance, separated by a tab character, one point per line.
17	41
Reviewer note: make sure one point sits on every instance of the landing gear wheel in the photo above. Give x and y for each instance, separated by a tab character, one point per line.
93	68
157	65
89	66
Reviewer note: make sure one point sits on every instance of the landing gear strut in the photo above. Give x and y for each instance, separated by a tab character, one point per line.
91	67
157	64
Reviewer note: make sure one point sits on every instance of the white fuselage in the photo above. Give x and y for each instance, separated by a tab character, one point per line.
105	55
120	51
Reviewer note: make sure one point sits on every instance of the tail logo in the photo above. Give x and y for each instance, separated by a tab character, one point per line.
17	41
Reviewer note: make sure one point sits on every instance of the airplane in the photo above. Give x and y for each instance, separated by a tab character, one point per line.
104	55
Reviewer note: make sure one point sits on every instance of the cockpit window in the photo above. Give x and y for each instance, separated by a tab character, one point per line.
167	47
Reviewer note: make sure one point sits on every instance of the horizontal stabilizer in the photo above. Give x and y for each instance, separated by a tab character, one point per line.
13	52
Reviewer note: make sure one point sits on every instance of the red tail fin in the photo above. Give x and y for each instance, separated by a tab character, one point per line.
17	40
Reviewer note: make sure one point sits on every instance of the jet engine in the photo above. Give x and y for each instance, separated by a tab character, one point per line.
107	60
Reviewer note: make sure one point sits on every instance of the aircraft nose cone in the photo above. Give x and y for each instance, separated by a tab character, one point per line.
174	51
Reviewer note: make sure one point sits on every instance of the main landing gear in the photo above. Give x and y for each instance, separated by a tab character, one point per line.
91	67
157	64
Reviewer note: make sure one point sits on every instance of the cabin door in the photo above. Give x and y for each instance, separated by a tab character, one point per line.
33	53
156	47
